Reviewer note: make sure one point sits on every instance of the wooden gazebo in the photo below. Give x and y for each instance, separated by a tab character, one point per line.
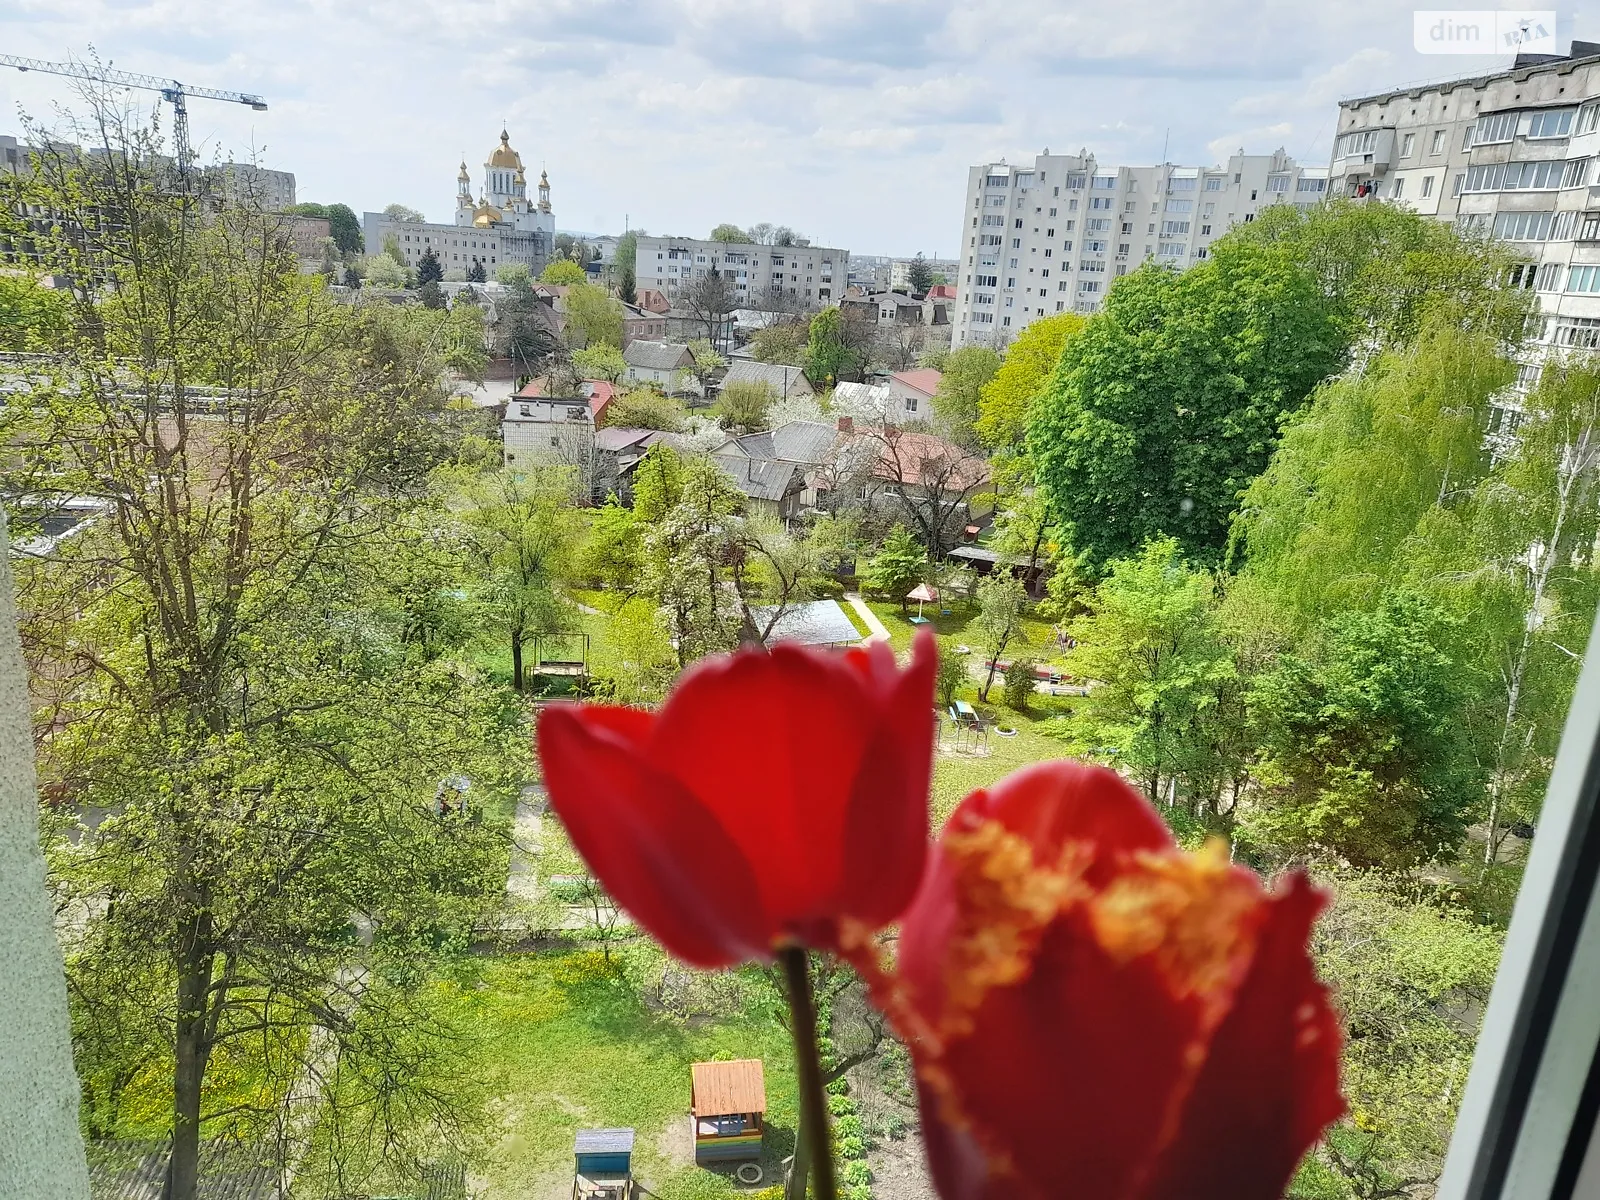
728	1107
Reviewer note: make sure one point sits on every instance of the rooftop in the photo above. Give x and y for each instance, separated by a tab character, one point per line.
818	623
781	379
657	356
922	379
721	1089
1525	67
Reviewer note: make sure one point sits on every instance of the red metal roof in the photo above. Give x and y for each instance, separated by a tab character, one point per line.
923	379
724	1088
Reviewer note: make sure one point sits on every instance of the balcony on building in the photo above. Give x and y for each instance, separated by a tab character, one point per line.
1362	153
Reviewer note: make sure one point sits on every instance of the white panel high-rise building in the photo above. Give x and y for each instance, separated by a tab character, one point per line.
1050	237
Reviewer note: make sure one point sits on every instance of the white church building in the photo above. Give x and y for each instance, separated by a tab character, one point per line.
503	225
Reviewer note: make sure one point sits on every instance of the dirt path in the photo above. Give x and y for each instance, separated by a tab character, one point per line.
879	631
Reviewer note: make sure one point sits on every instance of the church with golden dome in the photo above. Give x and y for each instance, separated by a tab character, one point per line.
503	225
503	200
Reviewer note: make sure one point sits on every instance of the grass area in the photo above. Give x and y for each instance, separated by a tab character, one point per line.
1040	634
494	655
575	1045
956	774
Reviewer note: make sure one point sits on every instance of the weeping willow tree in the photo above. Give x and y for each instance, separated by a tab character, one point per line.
1385	482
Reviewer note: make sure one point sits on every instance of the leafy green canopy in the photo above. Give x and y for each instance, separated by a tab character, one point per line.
1168	403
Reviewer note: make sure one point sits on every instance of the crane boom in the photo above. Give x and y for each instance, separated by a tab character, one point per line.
171	90
149	83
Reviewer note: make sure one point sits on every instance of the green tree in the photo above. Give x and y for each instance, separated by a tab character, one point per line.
600	361
951	675
1365	750
627	286
920	275
428	268
686	550
646	408
1018	686
610	557
706	364
400	212
343	225
1388	271
742	405
594	318
382	271
782	342
1412	977
563	272
203	645
1001	603
1149	643
657	483
956	403
524	526
513	274
833	352
1005	401
1167	404
729	233
352	278
431	295
32	318
477	272
898	566
635	663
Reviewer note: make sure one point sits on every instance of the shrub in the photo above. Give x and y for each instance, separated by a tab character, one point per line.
952	673
1019	684
855	1174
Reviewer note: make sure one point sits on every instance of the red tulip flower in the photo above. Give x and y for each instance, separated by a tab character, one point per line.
775	799
1095	1013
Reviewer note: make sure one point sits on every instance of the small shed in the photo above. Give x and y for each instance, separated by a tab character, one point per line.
728	1106
604	1164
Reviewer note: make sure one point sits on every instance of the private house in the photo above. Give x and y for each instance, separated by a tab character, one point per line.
662	363
785	382
911	395
921	471
813	448
549	432
642	325
771	487
617	452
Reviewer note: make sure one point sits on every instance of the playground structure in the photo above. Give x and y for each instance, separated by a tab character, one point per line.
603	1165
958	733
562	655
727	1107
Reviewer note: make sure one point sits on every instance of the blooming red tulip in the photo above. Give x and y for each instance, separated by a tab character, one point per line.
1095	1013
775	798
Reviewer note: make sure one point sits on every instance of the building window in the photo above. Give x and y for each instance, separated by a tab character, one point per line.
1214	183
1582	279
1494	127
1552	123
1407	144
1427	186
1523	226
1399	187
911	404
1437	147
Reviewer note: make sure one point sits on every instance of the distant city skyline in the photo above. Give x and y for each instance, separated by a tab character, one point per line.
854	124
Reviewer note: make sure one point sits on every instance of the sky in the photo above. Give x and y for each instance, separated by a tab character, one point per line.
852	121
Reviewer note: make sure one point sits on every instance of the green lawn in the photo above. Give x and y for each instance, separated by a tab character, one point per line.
1040	634
575	1044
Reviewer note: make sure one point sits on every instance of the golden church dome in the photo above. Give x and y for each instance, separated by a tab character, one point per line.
485	214
463	177
504	156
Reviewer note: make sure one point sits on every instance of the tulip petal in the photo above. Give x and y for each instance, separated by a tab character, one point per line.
660	854
886	828
1054	804
1271	1079
771	744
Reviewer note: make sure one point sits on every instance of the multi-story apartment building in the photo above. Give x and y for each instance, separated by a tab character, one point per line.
900	271
1510	155
798	276
1050	237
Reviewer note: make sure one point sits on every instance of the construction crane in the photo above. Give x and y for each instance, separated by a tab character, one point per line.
173	92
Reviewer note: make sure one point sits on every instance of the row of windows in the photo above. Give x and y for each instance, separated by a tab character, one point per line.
1528	176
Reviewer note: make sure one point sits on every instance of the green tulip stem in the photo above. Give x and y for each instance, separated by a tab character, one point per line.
813	1098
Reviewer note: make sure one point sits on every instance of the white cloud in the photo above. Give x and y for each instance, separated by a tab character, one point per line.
852	120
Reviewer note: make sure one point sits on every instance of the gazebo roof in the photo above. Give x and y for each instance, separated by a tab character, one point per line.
722	1089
